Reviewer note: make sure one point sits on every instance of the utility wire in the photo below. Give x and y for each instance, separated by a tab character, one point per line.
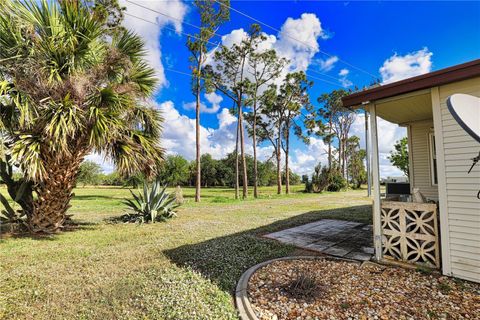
327	81
171	29
310	76
293	38
169	16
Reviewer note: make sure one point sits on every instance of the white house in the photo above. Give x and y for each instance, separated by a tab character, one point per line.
444	231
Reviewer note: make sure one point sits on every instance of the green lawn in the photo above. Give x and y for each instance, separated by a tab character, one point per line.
186	268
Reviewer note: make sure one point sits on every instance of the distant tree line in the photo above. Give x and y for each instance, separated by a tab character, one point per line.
178	171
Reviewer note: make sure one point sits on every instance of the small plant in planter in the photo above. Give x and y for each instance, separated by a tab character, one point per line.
152	204
304	285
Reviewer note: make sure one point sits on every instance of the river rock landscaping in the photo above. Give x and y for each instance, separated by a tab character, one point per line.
333	289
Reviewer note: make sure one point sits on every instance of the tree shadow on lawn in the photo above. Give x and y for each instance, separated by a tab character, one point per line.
7	232
93	197
224	259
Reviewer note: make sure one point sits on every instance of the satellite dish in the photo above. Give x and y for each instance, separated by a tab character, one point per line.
465	109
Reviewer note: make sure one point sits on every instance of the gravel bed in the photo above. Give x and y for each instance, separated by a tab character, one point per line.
344	290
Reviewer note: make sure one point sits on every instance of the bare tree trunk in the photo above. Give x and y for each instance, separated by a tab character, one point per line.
198	183
340	156
329	155
279	160
254	142
330	146
344	159
242	150
287	170
237	184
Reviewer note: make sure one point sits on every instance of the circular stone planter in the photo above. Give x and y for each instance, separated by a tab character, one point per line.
242	302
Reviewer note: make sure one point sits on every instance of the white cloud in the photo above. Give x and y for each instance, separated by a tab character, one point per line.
234	37
106	164
344	72
389	133
343	78
149	32
304	161
307	29
412	64
327	64
214	100
225	118
179	135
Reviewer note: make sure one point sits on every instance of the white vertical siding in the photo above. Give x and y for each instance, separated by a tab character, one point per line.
463	207
420	159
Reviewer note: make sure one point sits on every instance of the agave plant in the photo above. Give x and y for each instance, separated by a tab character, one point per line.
151	204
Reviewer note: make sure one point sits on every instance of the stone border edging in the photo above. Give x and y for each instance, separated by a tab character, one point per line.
244	308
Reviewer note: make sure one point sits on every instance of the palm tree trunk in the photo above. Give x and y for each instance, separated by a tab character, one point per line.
54	194
242	150
254	142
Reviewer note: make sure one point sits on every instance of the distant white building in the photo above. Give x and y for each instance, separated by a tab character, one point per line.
402	179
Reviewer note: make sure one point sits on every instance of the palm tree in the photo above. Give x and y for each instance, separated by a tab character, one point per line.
70	84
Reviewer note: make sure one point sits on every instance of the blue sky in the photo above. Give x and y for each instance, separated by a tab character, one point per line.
392	40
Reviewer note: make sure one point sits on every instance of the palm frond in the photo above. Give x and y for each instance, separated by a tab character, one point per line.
142	77
26	152
63	121
130	45
146	119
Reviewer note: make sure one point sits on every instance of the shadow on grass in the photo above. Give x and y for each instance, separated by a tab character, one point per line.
224	259
6	231
93	197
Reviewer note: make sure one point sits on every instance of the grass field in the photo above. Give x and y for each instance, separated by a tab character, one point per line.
185	268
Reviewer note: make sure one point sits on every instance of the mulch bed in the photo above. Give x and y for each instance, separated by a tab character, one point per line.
345	290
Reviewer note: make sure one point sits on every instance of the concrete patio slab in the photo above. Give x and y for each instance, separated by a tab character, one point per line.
338	238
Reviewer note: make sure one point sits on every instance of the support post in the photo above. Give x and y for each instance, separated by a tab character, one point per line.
377	223
442	183
367	149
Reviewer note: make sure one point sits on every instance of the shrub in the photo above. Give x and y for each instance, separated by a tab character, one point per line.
336	181
179	195
152	205
319	181
112	179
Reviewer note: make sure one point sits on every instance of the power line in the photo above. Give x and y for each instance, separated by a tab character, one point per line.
215	44
171	29
327	81
310	76
293	38
180	72
169	16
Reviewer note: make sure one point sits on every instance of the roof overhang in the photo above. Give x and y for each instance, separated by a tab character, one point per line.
437	78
